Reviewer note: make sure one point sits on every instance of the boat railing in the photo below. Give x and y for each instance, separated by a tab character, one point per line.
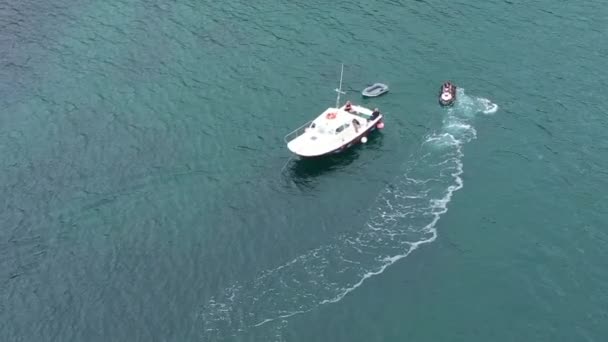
296	132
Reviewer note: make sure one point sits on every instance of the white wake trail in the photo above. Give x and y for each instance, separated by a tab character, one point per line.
403	218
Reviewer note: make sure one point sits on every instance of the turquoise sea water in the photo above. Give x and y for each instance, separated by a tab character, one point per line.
147	194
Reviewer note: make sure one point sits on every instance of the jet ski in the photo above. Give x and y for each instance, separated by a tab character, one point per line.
447	94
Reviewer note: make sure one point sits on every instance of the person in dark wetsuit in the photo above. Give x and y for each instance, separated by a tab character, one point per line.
356	125
348	107
375	114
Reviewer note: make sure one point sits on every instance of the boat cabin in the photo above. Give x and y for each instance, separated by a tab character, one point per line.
333	121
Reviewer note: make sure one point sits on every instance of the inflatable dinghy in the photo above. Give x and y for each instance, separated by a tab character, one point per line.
374	90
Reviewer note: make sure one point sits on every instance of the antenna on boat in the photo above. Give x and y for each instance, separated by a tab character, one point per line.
339	90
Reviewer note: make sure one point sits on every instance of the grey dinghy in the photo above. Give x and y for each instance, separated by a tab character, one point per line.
374	90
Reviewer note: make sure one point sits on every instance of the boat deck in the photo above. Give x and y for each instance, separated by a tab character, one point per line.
359	111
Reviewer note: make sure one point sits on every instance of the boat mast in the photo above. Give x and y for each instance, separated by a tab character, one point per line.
339	90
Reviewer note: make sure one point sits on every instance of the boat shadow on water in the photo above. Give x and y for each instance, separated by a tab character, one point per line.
303	170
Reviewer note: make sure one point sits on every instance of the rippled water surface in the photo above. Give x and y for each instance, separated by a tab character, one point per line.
147	194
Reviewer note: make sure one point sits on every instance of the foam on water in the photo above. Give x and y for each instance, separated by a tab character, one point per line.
403	218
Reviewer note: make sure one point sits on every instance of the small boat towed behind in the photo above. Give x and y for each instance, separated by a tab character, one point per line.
375	90
447	94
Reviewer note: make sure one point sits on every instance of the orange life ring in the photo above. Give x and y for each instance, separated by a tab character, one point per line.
331	115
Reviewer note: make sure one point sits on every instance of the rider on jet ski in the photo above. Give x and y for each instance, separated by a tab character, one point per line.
447	86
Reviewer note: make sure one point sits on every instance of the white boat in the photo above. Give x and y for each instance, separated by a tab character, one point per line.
334	130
